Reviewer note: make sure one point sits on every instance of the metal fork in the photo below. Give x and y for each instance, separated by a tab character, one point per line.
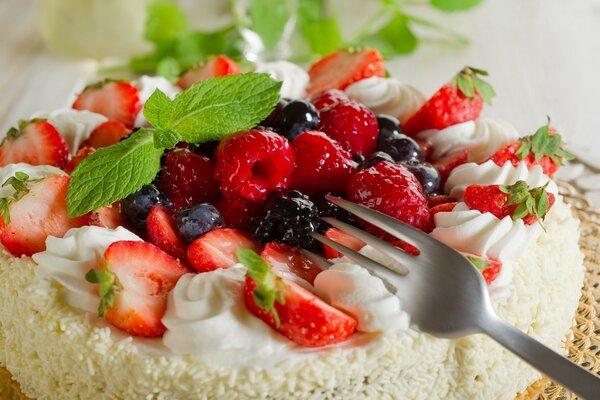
447	297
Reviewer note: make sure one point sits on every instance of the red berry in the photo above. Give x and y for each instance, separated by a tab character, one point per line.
254	163
35	142
340	69
391	189
115	100
238	213
352	125
490	269
321	164
329	97
187	179
444	207
215	66
446	164
437	199
217	249
107	134
82	153
342	238
286	260
161	231
107	217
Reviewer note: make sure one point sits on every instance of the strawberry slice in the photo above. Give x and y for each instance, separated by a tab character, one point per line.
134	280
107	134
458	101
108	217
342	238
215	66
290	309
34	142
286	260
161	232
340	69
114	99
81	154
444	207
489	268
446	164
34	212
217	249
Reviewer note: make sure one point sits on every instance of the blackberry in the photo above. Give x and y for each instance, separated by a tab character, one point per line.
290	219
195	221
328	209
136	206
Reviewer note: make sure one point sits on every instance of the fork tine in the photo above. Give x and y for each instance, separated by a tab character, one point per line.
374	242
390	278
321	262
389	224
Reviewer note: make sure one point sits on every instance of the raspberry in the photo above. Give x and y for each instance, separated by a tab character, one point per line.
238	213
391	189
254	163
328	98
187	179
352	125
321	164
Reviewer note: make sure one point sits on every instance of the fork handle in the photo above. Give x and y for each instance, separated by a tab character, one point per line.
552	364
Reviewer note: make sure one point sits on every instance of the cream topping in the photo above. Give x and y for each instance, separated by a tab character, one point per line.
387	96
33	171
294	78
146	86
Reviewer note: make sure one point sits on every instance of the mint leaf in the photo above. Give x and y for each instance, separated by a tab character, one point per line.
394	38
158	109
166	21
169	68
215	108
112	173
454	5
320	27
166	139
268	19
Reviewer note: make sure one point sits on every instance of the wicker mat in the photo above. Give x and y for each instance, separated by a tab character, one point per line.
583	342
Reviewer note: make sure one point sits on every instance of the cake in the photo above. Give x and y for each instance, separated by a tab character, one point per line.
131	231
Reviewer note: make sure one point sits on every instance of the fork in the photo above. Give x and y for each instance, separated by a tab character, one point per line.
446	296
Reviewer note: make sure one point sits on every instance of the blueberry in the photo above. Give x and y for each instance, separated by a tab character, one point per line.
428	176
388	127
401	148
273	120
375	158
195	221
296	117
136	206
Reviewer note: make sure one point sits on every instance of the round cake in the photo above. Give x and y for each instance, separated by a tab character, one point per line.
132	226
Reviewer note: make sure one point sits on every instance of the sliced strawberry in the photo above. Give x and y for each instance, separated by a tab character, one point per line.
342	238
458	101
286	260
115	100
134	280
107	217
490	269
446	164
445	207
215	66
162	232
437	199
217	249
34	142
340	69
290	309
107	134
33	214
82	153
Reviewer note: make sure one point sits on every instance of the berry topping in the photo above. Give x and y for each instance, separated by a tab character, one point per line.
352	125
328	209
444	207
81	154
34	142
36	210
115	100
107	134
328	98
197	220
544	148
217	249
187	179
516	201
136	206
490	269
428	176
291	219
289	262
342	238
133	283
458	101
296	117
239	213
162	232
254	163
108	216
391	189
340	69
321	164
446	164
273	121
375	158
436	199
290	309
215	66
401	148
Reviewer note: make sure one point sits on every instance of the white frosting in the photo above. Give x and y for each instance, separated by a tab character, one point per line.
33	171
294	78
387	96
74	125
146	86
481	138
353	289
66	260
489	173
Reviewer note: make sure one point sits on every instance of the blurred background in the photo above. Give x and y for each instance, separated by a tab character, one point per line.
543	55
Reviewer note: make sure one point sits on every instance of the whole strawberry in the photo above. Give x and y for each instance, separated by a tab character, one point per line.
517	201
458	101
544	148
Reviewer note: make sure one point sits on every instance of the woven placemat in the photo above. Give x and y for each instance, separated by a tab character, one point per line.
583	342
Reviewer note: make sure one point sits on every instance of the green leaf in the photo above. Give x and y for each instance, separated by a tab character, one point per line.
268	19
165	21
465	85
320	28
215	108
454	5
19	183
478	262
166	139
543	203
485	90
394	38
469	83
108	287
158	110
169	68
112	173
